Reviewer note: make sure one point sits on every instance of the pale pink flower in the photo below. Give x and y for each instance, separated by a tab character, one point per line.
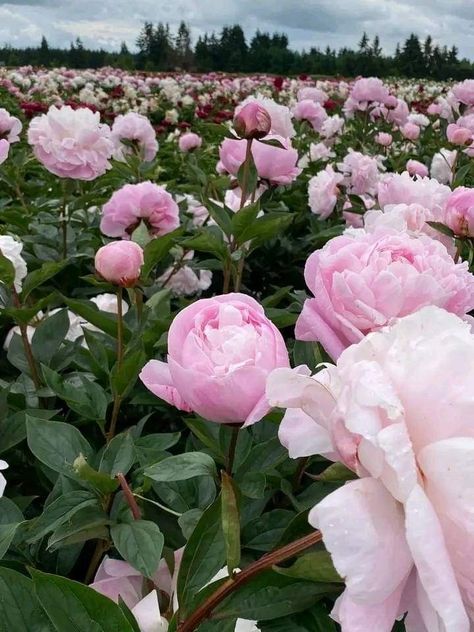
189	142
416	168
406	548
275	164
323	191
134	203
361	172
400	188
464	91
220	351
137	129
459	135
459	214
71	143
120	262
252	121
310	111
280	115
314	94
384	139
4	149
364	281
410	131
10	127
442	165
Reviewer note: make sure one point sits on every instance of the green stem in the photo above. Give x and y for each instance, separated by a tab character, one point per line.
129	497
64	221
117	397
232	446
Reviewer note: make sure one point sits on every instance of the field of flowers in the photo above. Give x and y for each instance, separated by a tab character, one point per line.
237	366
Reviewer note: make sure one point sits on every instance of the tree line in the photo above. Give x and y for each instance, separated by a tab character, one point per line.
160	49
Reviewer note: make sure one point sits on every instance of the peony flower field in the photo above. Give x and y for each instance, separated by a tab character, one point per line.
237	366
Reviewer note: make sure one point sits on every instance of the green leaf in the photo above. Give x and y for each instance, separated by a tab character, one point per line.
316	566
336	472
73	607
247	175
243	219
442	228
56	444
20	611
263	533
271	595
102	320
123	378
203	556
209	239
59	511
181	467
141	235
7	271
10	519
38	277
157	250
49	335
140	543
230	517
86	398
266	227
119	455
315	619
86	524
221	215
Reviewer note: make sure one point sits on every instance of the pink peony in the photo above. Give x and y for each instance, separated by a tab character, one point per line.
134	203
443	164
280	115
459	214
323	191
71	143
406	548
4	149
464	91
369	89
410	131
416	168
314	94
220	351
459	135
275	164
362	282
384	139
116	580
400	188
119	262
137	129
252	121
361	172
189	142
310	111
10	127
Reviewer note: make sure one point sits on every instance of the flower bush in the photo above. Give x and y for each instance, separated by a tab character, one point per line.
236	368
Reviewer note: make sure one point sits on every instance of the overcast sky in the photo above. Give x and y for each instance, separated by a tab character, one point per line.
307	22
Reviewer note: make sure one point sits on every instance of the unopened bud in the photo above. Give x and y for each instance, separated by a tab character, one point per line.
253	121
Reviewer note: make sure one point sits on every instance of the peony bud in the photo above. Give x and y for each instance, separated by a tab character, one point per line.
120	262
459	135
253	121
189	142
384	139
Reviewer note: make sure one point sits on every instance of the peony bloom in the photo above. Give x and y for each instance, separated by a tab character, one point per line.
320	151
252	121
134	203
275	164
361	172
117	579
10	127
310	111
323	191
459	135
332	126
410	131
11	249
384	139
220	351
137	129
459	214
119	262
416	168
400	188
71	143
189	142
314	94
406	548
4	149
442	165
369	89
464	91
280	115
362	282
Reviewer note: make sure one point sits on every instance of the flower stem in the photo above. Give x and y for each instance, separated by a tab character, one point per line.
117	397
26	345
205	610
232	446
129	497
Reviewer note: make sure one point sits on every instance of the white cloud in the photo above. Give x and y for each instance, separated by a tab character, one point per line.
307	22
